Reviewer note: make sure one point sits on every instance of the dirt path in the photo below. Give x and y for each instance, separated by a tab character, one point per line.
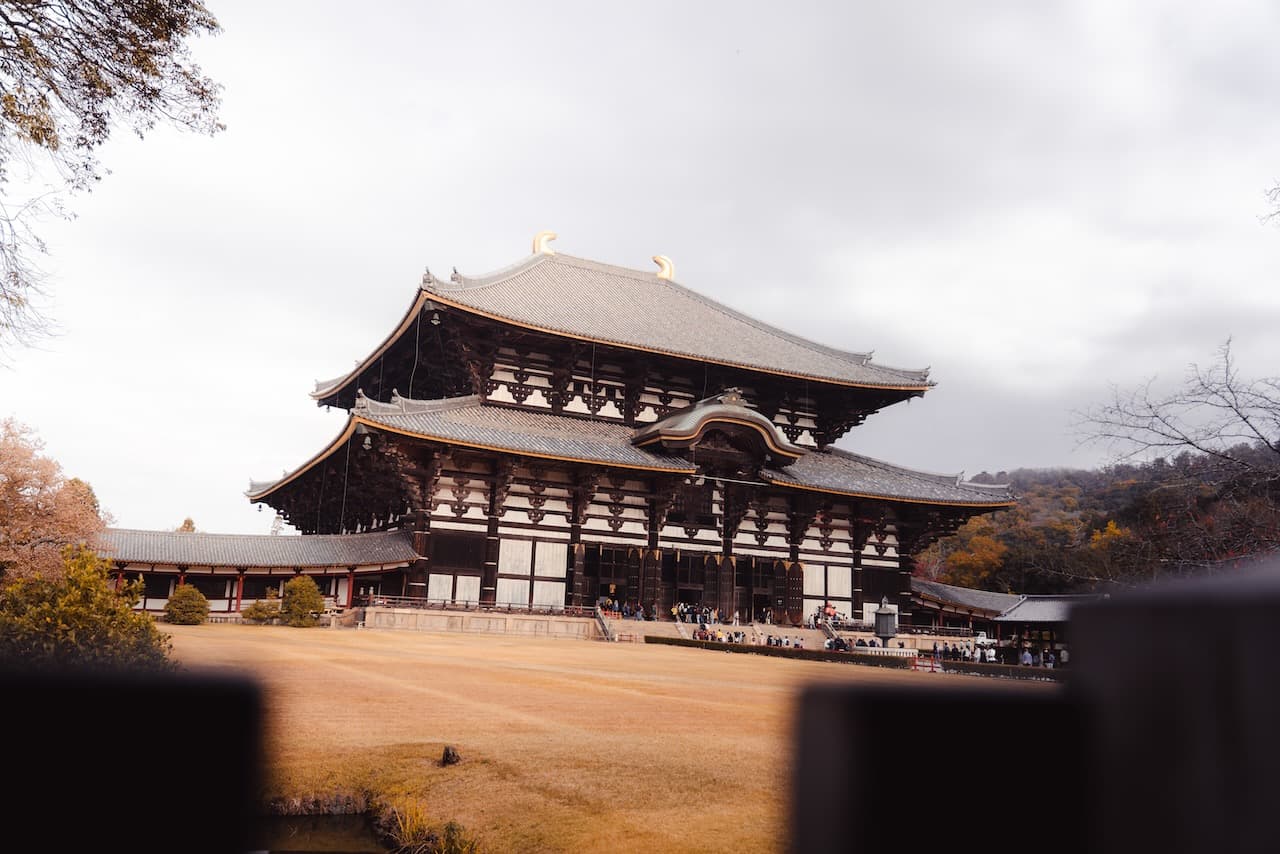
567	745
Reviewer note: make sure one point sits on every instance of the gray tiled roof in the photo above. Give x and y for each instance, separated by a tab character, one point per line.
634	308
171	548
835	470
965	597
1045	609
467	421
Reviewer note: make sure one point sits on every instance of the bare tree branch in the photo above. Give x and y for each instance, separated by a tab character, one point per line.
70	71
1215	413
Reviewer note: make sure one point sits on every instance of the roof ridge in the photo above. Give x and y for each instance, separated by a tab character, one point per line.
459	282
860	358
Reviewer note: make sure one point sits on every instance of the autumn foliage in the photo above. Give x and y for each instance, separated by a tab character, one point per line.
41	510
1075	530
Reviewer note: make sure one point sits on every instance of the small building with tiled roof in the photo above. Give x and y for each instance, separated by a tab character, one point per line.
1010	618
948	606
235	570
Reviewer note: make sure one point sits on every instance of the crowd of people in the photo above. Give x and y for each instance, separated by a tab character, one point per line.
711	624
627	610
965	652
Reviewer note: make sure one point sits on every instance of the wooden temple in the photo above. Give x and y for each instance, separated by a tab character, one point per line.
563	429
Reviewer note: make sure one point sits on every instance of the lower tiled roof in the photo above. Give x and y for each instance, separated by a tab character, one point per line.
171	548
842	472
467	421
965	597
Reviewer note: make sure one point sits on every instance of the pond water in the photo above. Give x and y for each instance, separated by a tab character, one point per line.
315	834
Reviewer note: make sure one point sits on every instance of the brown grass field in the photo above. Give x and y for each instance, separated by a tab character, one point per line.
566	745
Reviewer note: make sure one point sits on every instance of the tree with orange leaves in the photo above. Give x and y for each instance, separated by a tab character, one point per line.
41	510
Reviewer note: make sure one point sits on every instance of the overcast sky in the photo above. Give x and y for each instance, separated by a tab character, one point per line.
1034	200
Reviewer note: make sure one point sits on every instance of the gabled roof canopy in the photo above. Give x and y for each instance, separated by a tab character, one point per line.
589	301
686	427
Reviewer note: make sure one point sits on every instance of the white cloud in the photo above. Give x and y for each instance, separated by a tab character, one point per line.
1036	201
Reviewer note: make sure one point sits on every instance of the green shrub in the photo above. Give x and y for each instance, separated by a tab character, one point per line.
187	606
302	602
264	610
79	620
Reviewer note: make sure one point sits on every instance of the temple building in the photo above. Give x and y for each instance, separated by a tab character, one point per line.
563	430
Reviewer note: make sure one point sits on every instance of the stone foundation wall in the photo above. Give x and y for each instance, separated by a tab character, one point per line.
524	625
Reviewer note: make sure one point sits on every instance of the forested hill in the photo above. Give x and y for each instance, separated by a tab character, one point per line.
1077	530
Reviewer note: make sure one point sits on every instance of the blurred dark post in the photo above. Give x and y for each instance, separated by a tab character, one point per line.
1166	737
130	762
1186	683
922	768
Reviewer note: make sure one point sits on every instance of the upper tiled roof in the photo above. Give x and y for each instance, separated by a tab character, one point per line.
634	308
965	597
466	421
834	470
171	548
591	301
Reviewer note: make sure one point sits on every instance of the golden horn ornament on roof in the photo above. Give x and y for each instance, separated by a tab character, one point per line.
666	269
542	241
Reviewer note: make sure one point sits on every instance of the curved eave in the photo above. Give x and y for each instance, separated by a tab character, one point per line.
430	437
919	388
355	421
336	386
933	502
770	440
307	466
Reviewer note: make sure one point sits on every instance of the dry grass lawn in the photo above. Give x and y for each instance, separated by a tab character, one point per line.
566	745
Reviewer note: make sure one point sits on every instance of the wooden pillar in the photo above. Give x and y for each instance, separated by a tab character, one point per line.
415	575
634	558
489	575
239	587
858	598
711	581
666	595
728	580
651	582
907	566
182	575
778	599
578	571
351	586
795	593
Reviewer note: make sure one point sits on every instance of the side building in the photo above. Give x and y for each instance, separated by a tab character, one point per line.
564	430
